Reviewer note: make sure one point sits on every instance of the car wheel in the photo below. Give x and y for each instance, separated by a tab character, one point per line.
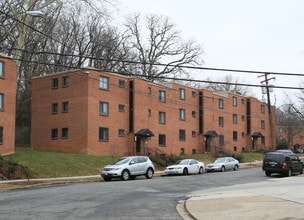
125	175
107	179
236	167
149	173
201	170
185	171
267	173
223	169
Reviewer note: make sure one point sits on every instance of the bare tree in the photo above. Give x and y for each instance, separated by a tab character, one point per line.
42	45
291	122
227	84
162	45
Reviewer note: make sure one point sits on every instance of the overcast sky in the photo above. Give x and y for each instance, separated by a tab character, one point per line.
259	35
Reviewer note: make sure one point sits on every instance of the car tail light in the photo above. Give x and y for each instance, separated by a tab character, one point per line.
284	164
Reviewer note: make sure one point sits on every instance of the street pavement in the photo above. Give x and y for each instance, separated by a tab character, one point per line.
275	199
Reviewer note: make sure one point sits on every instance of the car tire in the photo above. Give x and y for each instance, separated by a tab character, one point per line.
223	169
106	179
201	170
149	173
267	173
185	171
125	175
236	167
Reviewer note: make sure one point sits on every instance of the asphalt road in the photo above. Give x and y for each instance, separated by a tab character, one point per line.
137	199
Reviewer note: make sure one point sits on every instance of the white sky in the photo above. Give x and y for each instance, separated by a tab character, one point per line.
260	35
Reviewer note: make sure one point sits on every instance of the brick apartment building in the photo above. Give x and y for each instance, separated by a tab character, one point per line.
7	105
93	112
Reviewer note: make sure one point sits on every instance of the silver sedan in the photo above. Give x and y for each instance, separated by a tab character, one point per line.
222	164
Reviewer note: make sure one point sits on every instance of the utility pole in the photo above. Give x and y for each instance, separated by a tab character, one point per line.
266	81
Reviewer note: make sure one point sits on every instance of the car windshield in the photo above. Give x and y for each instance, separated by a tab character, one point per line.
121	161
219	160
182	162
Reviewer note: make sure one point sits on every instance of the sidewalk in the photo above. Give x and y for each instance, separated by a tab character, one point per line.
280	198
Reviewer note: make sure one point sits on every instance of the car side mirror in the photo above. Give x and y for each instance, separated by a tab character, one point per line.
131	163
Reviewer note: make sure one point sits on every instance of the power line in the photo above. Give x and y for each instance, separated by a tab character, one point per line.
167	78
171	65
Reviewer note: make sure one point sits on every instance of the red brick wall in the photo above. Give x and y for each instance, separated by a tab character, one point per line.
8	115
43	120
115	96
145	101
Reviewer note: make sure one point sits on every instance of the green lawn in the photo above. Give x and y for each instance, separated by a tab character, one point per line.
56	164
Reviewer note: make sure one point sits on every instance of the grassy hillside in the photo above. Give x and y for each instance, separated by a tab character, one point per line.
56	164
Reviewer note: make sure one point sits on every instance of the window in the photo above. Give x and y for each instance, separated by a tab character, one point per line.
1	101
182	114
243	101
262	124
121	132
64	132
263	139
193	151
1	135
65	106
103	108
243	135
234	118
54	108
162	117
193	133
235	148
104	82
221	121
162	96
149	113
262	108
234	135
121	108
234	101
162	139
103	134
54	133
121	83
221	103
182	93
243	117
149	90
193	94
182	151
65	81
55	83
221	140
1	69
193	114
280	130
182	135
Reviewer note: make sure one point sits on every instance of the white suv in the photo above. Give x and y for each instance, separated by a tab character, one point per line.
128	168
